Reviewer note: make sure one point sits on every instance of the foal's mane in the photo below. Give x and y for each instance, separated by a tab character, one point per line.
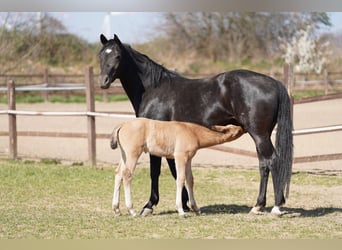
149	69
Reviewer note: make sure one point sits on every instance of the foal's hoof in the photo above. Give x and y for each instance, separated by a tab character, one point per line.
132	212
117	211
183	215
198	212
146	212
256	210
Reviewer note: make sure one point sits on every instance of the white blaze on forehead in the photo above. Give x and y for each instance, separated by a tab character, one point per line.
108	51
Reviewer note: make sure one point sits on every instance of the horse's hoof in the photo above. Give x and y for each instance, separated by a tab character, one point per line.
256	210
132	212
186	209
183	215
117	211
198	212
276	211
146	212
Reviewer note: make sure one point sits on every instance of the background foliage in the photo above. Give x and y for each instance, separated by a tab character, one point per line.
196	42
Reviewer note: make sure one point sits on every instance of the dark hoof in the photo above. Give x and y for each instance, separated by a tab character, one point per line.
186	209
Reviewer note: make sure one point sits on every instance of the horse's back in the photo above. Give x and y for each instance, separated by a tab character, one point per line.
236	97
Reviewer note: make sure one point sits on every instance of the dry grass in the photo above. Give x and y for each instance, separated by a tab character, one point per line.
52	201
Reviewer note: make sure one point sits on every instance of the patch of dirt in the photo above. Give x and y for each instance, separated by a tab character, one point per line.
308	115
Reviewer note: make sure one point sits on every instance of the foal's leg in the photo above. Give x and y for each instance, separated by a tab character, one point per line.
185	197
117	184
180	181
190	187
127	175
155	165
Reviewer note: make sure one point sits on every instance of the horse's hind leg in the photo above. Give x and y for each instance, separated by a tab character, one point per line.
117	184
185	197
266	155
127	175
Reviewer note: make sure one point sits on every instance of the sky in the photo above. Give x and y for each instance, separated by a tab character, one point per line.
131	27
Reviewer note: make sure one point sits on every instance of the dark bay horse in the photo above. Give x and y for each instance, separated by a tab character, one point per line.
248	99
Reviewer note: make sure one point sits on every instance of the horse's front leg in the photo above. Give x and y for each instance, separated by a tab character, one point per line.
185	196
180	182
155	165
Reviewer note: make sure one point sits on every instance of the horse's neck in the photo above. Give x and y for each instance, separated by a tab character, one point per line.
208	138
133	87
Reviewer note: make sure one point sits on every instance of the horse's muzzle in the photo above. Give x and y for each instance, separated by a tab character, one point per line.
105	82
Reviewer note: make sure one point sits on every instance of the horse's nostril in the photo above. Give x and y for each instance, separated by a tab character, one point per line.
106	79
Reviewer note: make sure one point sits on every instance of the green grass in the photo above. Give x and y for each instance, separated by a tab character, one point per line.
309	93
47	200
63	99
121	97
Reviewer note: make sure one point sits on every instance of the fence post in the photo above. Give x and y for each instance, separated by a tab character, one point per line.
288	81
12	120
46	81
89	80
326	81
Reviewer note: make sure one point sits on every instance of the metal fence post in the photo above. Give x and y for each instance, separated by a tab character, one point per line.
89	80
12	120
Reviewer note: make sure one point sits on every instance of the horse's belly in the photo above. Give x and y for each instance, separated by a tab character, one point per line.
159	149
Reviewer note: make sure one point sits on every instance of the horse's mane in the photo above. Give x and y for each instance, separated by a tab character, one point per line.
149	69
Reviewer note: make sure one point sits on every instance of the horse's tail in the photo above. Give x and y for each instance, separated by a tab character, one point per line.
115	138
284	141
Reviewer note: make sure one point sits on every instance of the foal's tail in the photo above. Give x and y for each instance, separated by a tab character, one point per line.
284	141
115	138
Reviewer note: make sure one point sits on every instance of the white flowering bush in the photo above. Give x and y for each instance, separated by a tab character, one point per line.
306	52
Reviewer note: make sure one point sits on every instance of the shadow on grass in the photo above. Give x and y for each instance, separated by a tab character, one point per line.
315	212
242	209
225	209
217	209
296	212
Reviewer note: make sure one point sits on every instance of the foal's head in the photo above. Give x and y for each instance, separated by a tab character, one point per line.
110	56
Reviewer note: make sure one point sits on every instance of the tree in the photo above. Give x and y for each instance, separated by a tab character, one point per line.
306	52
237	35
15	42
36	37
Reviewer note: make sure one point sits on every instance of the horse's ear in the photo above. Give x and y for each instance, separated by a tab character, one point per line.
117	40
103	39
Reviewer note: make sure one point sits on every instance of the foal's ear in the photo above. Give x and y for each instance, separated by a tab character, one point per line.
103	39
117	40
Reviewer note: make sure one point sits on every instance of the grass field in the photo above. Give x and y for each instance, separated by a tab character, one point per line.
47	200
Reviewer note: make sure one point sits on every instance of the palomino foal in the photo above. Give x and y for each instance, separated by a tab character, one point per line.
171	139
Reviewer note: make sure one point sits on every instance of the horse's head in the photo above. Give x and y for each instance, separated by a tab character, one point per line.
110	56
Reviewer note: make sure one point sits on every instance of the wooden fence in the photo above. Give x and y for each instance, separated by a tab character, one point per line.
329	82
90	114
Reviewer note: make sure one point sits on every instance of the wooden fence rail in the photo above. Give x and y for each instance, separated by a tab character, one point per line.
329	82
91	125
